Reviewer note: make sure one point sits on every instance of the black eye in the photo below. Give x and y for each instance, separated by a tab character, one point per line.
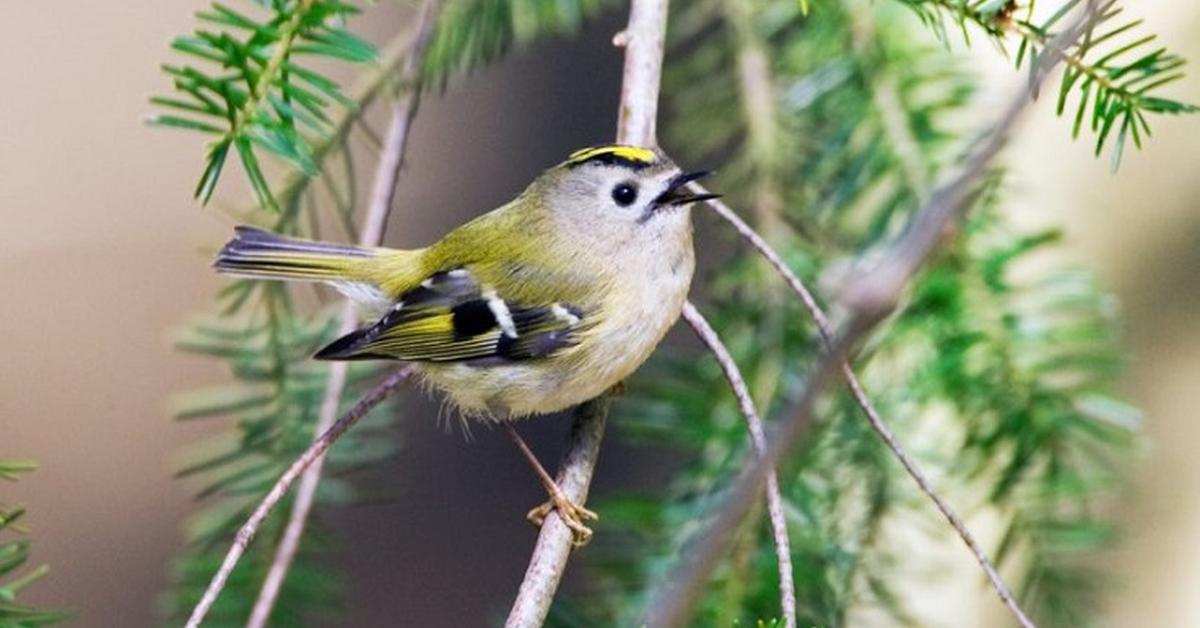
625	194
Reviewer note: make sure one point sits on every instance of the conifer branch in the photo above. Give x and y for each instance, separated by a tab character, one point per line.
386	178
245	534
643	39
250	93
278	391
1112	76
271	70
870	298
14	553
754	424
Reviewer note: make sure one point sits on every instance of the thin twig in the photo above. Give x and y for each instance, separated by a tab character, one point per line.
404	110
673	602
767	251
306	491
317	449
383	193
783	547
870	298
876	421
643	38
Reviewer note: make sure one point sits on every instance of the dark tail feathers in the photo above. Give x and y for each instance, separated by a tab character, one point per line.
257	253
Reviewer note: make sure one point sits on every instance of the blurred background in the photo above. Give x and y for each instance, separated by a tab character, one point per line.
104	251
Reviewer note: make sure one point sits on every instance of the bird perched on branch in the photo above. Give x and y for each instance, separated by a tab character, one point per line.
539	305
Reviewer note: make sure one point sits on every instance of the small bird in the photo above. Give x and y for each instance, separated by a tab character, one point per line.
544	303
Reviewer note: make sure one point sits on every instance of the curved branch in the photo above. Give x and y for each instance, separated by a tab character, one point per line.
870	297
643	39
246	533
825	329
383	193
783	547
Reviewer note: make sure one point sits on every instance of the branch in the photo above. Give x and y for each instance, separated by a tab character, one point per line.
869	298
643	39
246	533
403	112
783	549
549	559
383	193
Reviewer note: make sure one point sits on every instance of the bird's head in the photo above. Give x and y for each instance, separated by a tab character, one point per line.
618	187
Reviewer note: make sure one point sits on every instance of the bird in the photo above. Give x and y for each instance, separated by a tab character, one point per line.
544	303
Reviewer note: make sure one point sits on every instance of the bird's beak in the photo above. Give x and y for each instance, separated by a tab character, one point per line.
677	192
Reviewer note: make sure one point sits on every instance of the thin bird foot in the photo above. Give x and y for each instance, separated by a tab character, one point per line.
571	514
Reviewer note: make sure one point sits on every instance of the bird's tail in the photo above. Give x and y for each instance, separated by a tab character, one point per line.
265	255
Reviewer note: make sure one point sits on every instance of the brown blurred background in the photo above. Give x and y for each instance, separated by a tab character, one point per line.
103	251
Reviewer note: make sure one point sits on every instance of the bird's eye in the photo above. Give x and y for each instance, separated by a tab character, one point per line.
625	194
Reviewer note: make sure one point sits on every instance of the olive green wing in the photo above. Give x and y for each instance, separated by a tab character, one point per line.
452	317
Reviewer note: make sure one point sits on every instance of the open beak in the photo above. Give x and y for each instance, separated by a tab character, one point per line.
677	192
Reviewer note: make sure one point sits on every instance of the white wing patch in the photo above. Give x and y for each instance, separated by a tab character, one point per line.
500	310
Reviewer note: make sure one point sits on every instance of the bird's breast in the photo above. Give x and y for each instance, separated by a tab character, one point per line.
638	311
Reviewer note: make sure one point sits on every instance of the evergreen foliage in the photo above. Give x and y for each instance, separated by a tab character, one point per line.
1116	74
14	553
251	88
1011	369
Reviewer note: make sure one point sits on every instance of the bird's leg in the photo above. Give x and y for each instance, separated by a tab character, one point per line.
571	513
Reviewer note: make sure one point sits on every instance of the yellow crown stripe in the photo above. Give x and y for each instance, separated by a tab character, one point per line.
626	153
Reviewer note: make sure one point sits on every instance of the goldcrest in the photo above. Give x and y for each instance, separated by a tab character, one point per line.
541	304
